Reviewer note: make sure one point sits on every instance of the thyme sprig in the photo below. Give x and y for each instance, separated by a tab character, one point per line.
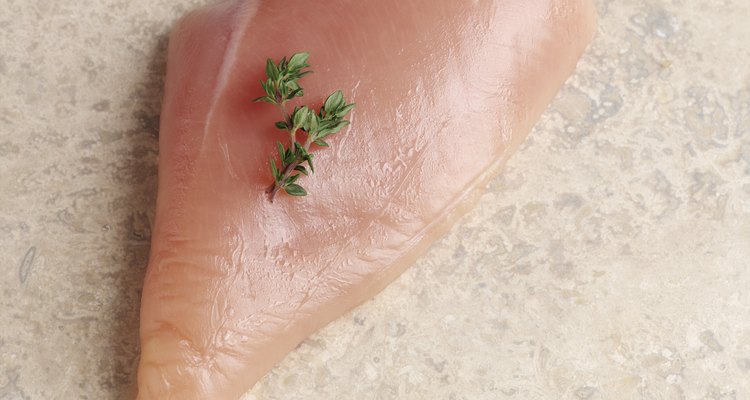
281	86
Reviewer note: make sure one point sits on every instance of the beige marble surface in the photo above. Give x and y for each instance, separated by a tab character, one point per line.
610	261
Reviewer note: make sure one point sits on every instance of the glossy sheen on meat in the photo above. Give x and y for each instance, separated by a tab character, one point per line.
445	91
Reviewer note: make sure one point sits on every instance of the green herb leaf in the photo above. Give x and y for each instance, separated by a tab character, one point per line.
339	125
298	61
289	157
309	159
321	142
265	99
282	125
334	102
301	169
292	179
274	170
312	122
292	85
299	92
270	88
283	92
295	190
341	113
300	117
302	153
271	70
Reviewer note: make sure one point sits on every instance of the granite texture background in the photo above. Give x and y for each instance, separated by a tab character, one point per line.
610	261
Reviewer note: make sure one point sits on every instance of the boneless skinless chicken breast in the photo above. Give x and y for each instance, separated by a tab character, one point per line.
445	90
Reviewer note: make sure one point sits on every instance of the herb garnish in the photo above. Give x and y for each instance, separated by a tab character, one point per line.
281	86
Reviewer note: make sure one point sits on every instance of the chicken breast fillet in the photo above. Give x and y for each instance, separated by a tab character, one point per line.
446	90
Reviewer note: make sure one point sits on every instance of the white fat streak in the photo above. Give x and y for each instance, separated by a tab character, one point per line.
239	23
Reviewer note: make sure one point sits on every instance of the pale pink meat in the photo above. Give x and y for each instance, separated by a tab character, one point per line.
446	90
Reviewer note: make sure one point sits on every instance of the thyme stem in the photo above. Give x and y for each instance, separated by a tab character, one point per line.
281	86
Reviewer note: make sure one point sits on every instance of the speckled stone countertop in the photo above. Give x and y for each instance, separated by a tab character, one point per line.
610	261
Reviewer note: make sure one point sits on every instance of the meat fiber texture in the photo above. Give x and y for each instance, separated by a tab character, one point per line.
445	90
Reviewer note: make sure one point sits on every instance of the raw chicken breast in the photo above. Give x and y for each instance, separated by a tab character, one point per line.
445	91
